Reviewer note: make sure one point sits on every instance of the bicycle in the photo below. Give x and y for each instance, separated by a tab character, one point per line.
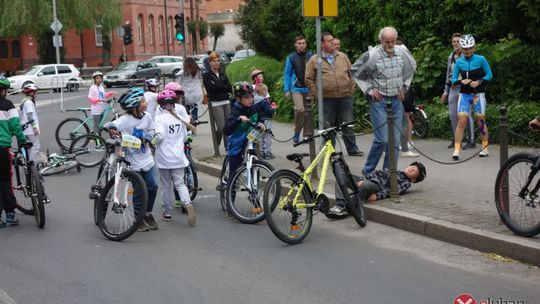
419	121
287	193
248	179
57	163
71	128
89	150
27	185
116	189
516	193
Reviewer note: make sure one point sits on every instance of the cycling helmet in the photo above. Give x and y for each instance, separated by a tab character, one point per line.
97	73
152	82
131	99
166	96
175	87
466	41
255	72
4	83
242	88
421	171
29	88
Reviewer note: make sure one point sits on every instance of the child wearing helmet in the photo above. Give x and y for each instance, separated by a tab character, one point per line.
178	91
28	113
150	95
171	133
9	126
97	98
139	123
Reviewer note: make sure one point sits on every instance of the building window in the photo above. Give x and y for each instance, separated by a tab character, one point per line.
140	30
15	49
151	29
99	35
160	29
3	49
169	28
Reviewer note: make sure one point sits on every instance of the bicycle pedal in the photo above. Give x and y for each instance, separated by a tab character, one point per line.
198	189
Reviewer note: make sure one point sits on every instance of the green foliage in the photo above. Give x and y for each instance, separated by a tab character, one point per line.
46	50
216	30
203	28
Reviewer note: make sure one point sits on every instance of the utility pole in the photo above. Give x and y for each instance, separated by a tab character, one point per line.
191	17
167	31
183	42
56	29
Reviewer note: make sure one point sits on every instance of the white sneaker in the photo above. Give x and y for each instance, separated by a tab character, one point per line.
455	155
484	153
410	146
408	154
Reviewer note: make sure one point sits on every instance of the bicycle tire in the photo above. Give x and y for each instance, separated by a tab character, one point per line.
516	170
21	190
191	179
37	196
421	124
222	183
349	189
64	133
100	182
280	187
90	150
252	212
63	167
105	214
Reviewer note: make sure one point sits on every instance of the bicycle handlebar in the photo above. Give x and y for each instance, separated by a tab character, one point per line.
256	126
198	122
323	132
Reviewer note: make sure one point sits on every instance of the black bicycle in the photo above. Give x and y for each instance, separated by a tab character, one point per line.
420	121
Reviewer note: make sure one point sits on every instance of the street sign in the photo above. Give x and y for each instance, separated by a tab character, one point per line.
320	8
57	41
56	26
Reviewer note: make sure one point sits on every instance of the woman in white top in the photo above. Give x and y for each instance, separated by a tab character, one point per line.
97	98
191	82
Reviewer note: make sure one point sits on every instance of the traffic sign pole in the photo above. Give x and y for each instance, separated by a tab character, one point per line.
183	42
56	29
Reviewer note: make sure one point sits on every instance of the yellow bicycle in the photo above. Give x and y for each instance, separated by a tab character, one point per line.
290	199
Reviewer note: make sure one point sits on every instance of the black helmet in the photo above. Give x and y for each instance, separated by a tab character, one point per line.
242	88
421	171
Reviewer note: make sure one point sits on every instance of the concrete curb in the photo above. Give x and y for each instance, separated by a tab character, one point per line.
514	247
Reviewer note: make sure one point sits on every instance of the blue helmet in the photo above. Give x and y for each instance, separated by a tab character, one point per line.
131	99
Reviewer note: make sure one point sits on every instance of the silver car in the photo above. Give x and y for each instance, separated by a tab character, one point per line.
131	73
169	65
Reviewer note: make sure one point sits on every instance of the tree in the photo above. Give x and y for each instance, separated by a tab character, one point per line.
203	30
216	30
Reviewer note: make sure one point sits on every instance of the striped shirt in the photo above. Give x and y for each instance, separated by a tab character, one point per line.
10	124
388	75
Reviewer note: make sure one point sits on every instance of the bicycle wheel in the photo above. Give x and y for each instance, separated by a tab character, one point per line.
68	130
520	213
37	196
421	125
21	190
97	189
245	191
288	221
222	183
191	180
349	189
119	220
90	150
62	167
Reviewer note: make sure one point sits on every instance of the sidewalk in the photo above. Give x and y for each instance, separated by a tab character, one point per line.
455	203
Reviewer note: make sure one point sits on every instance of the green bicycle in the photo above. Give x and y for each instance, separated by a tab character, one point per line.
290	199
71	128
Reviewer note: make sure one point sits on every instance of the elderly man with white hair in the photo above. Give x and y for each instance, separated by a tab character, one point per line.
384	74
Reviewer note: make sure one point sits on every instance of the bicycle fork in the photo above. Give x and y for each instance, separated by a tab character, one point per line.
532	195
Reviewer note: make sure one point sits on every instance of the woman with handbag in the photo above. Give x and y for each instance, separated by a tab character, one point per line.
219	92
193	88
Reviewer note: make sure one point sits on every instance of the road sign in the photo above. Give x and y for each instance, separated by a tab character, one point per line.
57	41
320	8
56	26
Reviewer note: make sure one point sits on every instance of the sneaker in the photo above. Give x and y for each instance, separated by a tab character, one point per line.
11	218
151	222
2	224
191	215
143	226
270	155
408	154
263	155
356	153
178	204
166	216
99	148
469	146
455	155
337	212
410	146
296	137
451	145
484	153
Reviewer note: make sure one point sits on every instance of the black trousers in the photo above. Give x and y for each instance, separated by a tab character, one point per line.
368	188
7	199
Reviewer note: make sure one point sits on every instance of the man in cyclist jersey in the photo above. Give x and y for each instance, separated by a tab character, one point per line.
472	71
9	126
376	186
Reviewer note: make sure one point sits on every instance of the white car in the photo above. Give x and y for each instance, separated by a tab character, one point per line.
169	65
243	54
49	76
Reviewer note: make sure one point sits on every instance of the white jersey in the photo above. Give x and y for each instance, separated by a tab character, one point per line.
97	92
170	134
179	109
28	106
151	102
140	159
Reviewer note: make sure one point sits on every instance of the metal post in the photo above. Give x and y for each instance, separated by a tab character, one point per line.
192	19
167	31
391	150
309	126
319	72
56	34
503	139
185	37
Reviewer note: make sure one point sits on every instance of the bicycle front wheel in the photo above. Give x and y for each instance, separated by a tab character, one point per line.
191	180
349	190
21	190
245	192
421	125
37	193
90	150
62	167
68	130
518	209
119	219
222	183
289	221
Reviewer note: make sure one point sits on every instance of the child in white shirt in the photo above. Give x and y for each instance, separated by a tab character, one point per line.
97	98
150	95
29	112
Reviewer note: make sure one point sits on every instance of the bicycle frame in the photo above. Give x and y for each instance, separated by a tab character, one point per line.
525	190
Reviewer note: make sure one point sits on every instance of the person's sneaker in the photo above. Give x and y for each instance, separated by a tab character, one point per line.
143	226
99	148
469	146
178	204
11	218
455	155
270	155
356	153
191	215
263	155
296	137
2	224
337	212
408	154
484	153
451	145
410	146
151	222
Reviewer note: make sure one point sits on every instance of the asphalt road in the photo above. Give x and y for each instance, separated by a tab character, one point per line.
222	261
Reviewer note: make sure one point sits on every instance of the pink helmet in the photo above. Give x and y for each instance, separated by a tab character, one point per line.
175	87
255	73
166	96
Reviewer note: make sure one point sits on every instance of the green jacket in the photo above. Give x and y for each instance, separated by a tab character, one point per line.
9	124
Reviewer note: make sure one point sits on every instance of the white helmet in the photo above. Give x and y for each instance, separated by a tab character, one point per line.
97	73
152	82
466	41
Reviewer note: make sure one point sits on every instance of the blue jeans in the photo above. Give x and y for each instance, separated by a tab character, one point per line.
149	178
377	110
337	111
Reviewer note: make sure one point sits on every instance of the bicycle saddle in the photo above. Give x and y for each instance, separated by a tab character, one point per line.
297	157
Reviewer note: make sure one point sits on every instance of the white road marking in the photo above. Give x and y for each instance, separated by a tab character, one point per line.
5	298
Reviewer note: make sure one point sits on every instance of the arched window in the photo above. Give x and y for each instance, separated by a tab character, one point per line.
140	30
3	49
169	28
160	29
151	29
15	49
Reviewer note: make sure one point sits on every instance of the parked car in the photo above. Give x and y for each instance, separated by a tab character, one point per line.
243	54
169	65
49	76
131	73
